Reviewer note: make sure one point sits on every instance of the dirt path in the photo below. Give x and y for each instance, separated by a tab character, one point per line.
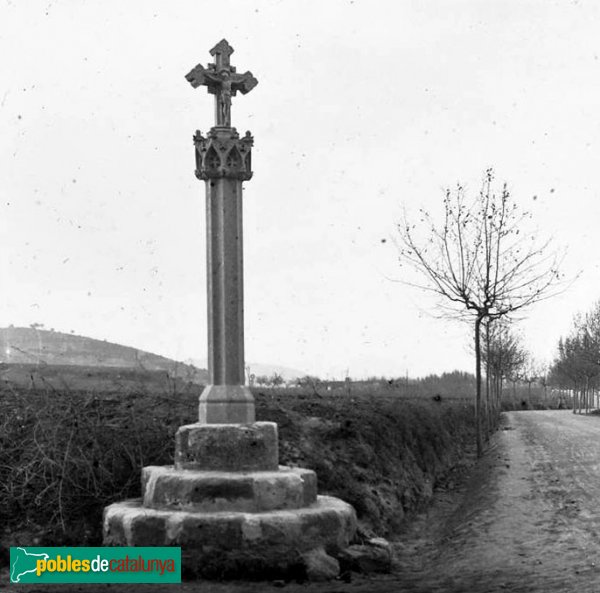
528	520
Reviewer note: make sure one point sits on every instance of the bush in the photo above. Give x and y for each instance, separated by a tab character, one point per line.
65	455
384	455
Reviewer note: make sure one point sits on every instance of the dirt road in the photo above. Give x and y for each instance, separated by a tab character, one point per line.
528	520
530	517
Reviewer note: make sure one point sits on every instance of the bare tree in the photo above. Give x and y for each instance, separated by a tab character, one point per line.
276	380
504	355
310	381
544	379
480	261
262	380
530	374
578	362
568	367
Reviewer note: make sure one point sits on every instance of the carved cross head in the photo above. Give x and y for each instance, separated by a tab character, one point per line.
222	80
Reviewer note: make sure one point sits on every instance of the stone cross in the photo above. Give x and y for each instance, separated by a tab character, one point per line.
226	501
223	162
222	81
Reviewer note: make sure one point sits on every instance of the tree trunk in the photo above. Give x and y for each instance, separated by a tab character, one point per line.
488	403
478	435
587	395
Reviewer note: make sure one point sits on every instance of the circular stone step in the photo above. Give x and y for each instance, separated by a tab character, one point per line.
228	544
164	487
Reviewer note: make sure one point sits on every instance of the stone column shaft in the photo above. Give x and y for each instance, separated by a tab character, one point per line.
223	163
225	281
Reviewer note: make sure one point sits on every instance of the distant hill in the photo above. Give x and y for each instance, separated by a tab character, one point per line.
31	345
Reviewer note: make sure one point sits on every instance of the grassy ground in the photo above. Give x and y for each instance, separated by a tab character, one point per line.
64	455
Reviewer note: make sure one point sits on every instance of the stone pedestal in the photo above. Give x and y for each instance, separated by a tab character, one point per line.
222	404
231	507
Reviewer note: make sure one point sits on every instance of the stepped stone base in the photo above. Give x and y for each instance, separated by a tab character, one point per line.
230	506
168	488
230	543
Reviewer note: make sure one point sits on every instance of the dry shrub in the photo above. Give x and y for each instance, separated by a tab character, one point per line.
384	455
65	455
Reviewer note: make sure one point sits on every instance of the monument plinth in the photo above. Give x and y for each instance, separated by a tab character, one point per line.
226	501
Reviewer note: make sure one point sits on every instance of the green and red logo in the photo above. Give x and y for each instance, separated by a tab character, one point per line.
95	565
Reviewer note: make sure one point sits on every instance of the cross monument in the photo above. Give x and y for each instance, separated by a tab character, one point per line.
223	162
225	500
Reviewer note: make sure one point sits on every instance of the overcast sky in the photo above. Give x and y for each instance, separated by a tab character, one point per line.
362	108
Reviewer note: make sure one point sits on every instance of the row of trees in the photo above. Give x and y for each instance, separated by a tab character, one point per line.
277	380
506	361
577	365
